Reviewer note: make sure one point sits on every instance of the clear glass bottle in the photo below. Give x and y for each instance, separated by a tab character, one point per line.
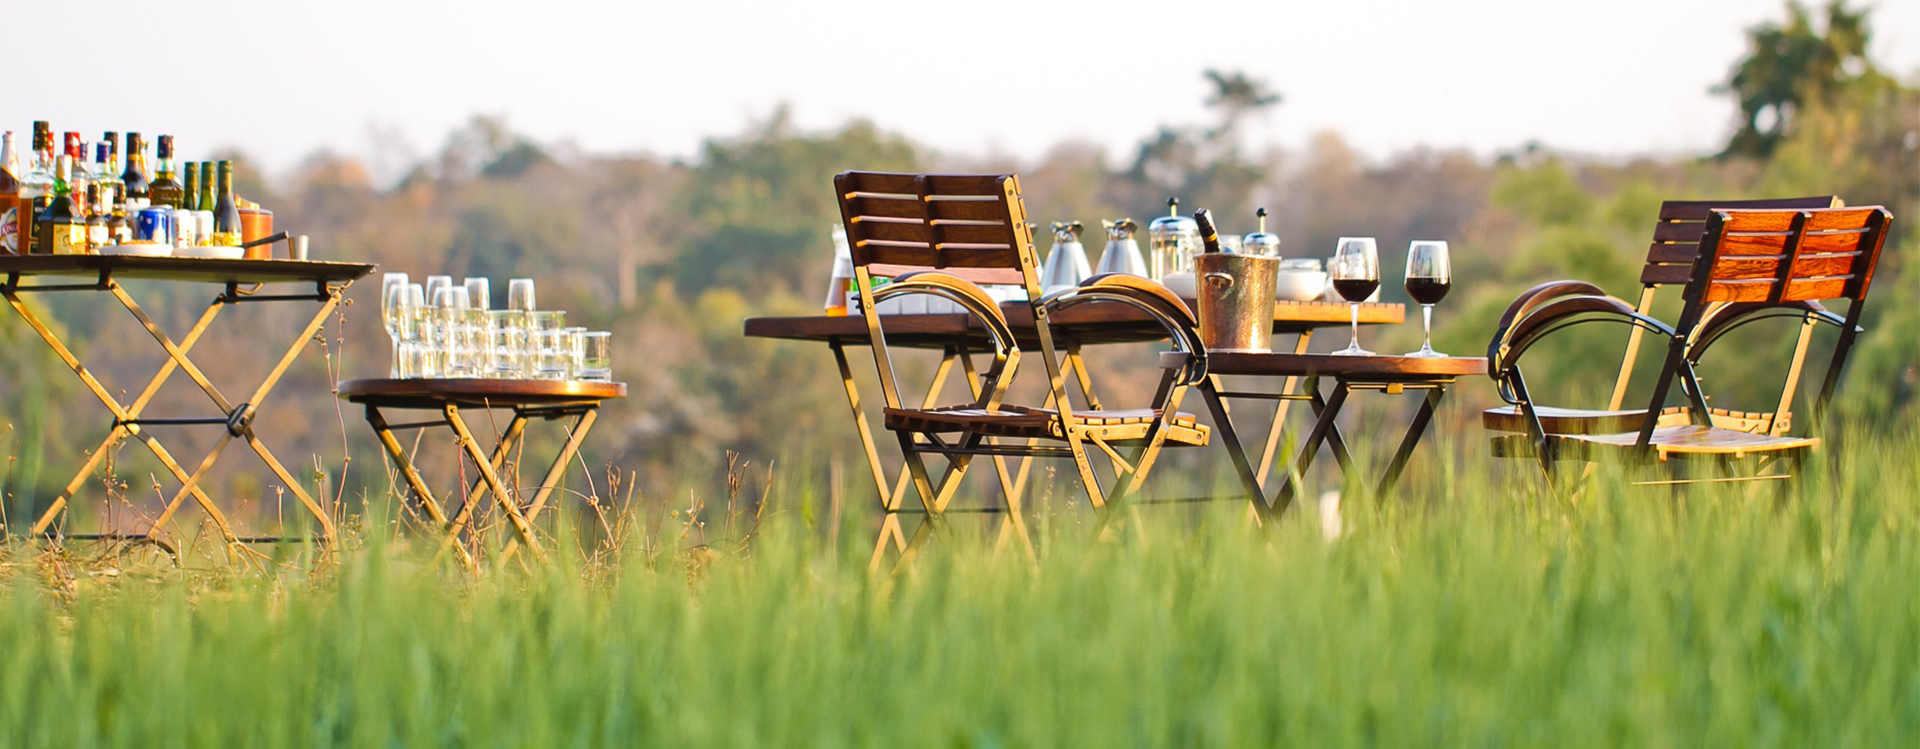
36	186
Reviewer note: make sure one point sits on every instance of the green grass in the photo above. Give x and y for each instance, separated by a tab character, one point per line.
1485	615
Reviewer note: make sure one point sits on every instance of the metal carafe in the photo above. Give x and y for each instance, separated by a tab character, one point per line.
1122	254
1172	241
1066	264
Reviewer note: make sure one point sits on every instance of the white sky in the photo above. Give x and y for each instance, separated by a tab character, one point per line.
1605	78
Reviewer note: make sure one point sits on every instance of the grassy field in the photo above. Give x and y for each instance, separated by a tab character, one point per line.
1480	614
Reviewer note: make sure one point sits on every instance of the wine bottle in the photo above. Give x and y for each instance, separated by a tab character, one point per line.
16	215
59	230
207	194
134	179
191	194
165	190
1209	237
226	213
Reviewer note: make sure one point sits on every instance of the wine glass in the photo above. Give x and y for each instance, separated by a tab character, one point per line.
1429	275
435	284
409	306
479	292
388	297
1355	269
520	294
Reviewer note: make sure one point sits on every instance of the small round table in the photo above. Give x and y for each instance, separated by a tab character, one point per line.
529	399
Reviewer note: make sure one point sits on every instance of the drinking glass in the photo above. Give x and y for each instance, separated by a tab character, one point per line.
570	348
479	293
546	342
1355	269
1429	275
508	352
390	286
520	294
435	284
596	356
403	308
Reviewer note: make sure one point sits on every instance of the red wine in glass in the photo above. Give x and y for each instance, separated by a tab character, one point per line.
1428	290
1356	289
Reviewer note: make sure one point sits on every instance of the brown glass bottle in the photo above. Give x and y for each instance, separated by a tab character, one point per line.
134	179
166	190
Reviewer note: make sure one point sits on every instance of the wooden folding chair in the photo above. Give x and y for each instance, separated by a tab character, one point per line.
1676	242
1751	262
944	235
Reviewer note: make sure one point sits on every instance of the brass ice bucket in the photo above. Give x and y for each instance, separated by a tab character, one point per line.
1236	300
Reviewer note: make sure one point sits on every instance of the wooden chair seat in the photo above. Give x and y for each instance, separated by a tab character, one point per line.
1693	440
1557	420
1114	426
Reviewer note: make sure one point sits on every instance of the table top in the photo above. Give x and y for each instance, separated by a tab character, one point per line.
490	393
205	270
1379	368
1091	323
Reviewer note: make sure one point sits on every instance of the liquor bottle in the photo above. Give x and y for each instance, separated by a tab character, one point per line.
98	235
77	174
105	174
59	230
16	215
165	190
37	185
134	179
226	212
191	196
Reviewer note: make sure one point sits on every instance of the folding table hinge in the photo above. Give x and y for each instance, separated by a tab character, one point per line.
241	420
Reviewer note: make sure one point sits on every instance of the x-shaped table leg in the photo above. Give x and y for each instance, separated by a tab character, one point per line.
1326	432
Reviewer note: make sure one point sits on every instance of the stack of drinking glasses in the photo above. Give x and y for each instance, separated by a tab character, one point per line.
441	330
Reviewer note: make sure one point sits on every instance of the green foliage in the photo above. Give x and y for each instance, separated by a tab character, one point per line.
1794	67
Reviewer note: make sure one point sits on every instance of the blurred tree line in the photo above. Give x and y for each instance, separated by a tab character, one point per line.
672	254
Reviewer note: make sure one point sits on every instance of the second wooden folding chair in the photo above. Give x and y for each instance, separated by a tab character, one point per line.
946	235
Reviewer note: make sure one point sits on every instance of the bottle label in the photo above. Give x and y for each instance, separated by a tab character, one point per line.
12	239
97	235
69	239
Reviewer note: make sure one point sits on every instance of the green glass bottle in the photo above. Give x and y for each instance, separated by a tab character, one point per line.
207	195
192	192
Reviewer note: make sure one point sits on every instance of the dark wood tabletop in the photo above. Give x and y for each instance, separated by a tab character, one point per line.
1093	323
205	270
1378	367
489	393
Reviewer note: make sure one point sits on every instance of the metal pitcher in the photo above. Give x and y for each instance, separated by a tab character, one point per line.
1122	254
1236	301
1066	264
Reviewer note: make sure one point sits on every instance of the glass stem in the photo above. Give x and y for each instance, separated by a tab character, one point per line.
1355	308
1426	318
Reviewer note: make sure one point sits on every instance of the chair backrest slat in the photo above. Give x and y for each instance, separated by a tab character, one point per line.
1788	256
1676	238
973	226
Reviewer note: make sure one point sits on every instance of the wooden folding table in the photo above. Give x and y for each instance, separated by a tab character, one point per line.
234	282
528	399
957	334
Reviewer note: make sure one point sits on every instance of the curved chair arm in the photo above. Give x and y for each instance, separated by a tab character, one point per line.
1727	317
963	292
1006	350
1524	304
1149	297
1566	311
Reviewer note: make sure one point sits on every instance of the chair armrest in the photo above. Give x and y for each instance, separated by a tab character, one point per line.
1527	302
1147	296
963	292
1727	317
1539	320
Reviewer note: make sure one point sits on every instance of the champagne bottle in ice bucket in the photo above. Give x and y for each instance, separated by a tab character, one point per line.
1235	293
1122	253
1066	264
